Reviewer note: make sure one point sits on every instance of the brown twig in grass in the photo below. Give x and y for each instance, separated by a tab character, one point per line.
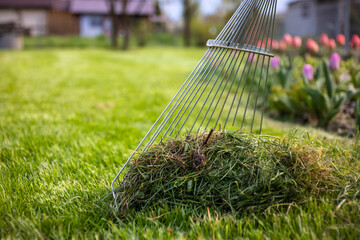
174	158
152	219
208	137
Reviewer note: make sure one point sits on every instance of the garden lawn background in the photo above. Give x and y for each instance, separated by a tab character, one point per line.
70	118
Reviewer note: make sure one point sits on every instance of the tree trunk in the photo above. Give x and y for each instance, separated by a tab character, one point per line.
141	32
141	25
187	22
114	25
125	25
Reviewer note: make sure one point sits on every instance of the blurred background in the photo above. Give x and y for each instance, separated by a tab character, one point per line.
103	23
315	76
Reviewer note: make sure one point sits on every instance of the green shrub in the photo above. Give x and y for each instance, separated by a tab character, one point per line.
324	104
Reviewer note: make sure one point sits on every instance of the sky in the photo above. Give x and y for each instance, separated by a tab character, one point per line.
174	8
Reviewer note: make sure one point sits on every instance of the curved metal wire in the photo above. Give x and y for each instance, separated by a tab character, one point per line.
227	74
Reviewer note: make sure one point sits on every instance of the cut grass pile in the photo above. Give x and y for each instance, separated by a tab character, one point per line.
231	171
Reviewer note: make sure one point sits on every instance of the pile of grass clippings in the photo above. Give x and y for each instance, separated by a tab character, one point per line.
231	171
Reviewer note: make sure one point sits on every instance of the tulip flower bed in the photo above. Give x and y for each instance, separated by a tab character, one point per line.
229	171
316	83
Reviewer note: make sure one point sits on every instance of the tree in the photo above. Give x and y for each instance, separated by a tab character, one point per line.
125	25
187	22
190	8
114	25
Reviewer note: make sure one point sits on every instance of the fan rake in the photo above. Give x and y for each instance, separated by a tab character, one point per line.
232	74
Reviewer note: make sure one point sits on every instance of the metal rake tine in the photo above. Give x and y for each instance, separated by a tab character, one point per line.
247	103
268	14
259	28
165	121
210	91
257	95
241	17
233	21
161	115
258	31
240	28
230	23
222	108
239	84
217	102
193	89
204	101
253	22
244	86
237	57
246	79
272	18
267	72
191	101
252	6
227	96
208	84
181	116
238	34
148	133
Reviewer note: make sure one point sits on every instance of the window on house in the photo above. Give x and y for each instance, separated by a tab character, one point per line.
305	10
96	21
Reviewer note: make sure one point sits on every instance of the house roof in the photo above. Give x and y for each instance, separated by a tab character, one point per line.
25	4
134	7
292	2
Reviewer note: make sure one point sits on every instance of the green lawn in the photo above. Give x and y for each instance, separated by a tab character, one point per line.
70	118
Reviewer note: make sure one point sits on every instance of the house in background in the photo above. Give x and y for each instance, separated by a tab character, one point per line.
87	18
94	17
313	17
29	14
11	36
60	21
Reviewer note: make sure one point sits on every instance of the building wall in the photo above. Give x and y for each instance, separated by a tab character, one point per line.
34	20
62	23
8	16
94	25
328	18
301	18
90	25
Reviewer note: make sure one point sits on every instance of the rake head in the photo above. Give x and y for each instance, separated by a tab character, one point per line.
227	87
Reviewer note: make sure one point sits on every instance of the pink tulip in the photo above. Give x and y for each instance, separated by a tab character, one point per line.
324	39
275	62
332	44
355	42
288	39
308	72
296	42
341	40
259	44
334	61
312	46
283	45
267	42
275	45
251	57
